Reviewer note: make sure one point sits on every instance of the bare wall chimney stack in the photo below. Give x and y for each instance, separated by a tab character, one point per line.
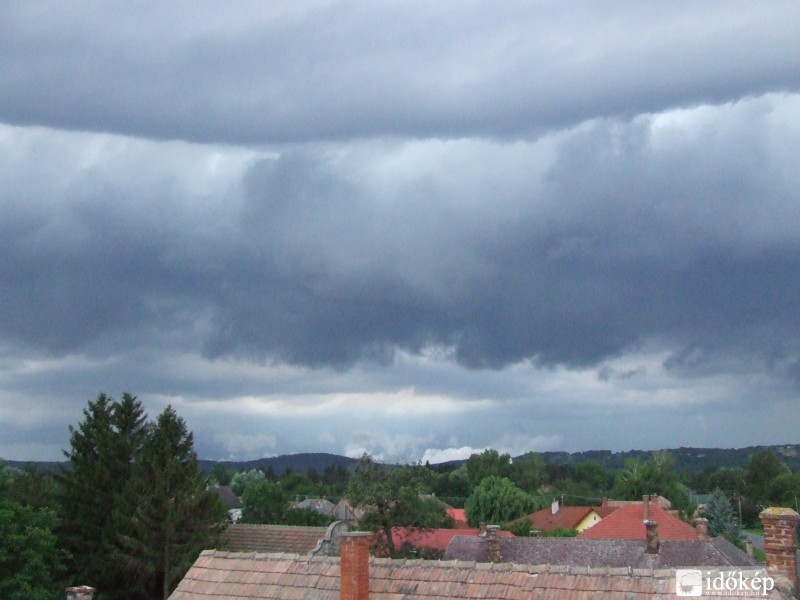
651	528
493	543
780	542
701	525
645	508
354	566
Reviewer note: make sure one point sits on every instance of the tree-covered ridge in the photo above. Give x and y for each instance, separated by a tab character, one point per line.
687	460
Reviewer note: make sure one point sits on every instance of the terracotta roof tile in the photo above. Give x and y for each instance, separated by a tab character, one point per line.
271	538
627	523
215	576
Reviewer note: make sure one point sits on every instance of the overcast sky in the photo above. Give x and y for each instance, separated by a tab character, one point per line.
416	229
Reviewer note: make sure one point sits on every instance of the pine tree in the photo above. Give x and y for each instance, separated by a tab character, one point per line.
722	519
167	515
100	462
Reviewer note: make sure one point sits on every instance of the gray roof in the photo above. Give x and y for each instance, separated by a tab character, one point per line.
227	496
321	505
601	553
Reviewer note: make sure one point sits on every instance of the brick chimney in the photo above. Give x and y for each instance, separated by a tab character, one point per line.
493	543
651	528
81	592
645	508
701	525
354	565
780	542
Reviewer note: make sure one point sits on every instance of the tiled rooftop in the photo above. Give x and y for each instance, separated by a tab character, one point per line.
459	516
567	517
432	538
227	496
236	576
271	538
602	553
627	523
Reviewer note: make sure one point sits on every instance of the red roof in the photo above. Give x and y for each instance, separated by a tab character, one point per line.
627	523
567	517
458	515
432	538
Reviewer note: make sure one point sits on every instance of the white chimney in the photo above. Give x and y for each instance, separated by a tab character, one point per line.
554	507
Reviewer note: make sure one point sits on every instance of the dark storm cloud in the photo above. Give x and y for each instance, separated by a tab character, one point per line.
583	246
306	71
406	225
625	241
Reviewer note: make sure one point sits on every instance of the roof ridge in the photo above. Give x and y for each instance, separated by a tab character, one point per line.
456	565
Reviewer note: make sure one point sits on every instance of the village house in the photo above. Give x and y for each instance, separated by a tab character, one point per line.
427	543
242	537
567	517
652	553
626	522
354	575
322	506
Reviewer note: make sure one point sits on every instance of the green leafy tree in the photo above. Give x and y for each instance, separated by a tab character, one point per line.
335	478
631	482
570	492
784	490
762	468
497	500
722	519
101	457
453	487
241	480
528	472
657	476
520	527
168	515
298	486
729	480
594	475
391	497
220	474
263	502
488	463
35	487
31	564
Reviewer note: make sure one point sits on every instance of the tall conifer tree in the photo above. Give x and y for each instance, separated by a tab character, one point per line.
101	458
167	516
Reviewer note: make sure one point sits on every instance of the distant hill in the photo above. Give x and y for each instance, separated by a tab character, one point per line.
297	463
19	465
689	460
